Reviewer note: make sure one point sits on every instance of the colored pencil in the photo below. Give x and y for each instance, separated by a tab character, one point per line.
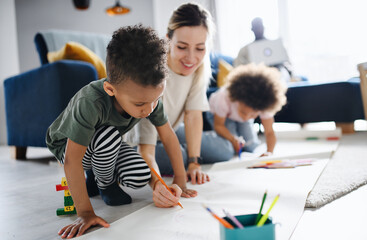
221	220
233	219
312	138
261	207
271	162
240	151
332	138
263	218
161	180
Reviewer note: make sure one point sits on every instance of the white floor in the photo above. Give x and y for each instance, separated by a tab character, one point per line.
29	197
344	218
29	202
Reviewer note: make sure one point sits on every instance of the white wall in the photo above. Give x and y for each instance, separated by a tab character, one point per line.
36	15
8	55
22	19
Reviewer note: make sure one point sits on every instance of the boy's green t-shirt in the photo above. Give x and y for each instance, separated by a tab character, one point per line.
90	108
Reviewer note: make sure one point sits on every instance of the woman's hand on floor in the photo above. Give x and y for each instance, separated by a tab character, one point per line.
196	175
181	182
188	193
266	154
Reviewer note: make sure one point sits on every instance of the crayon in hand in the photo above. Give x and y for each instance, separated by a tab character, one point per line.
161	180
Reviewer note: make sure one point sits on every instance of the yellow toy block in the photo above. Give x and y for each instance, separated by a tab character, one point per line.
63	182
69	208
61	211
67	193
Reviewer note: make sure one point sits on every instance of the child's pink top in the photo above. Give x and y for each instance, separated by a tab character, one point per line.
221	105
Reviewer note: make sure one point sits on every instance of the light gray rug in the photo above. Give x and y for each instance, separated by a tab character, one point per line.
345	172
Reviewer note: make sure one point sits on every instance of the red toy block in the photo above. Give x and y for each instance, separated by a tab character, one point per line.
332	138
60	188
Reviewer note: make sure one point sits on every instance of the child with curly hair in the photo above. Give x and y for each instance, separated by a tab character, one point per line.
251	91
87	136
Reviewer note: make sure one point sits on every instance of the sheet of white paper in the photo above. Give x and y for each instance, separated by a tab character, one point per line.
291	145
239	191
235	188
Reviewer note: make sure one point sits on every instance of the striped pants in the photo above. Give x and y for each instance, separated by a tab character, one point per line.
113	160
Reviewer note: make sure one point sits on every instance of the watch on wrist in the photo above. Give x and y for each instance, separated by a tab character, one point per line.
197	160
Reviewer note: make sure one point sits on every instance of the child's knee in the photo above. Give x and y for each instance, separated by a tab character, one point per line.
135	177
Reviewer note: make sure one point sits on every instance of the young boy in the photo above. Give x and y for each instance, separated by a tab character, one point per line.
87	134
252	91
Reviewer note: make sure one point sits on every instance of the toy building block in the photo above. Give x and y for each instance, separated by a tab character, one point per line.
61	211
68	201
63	181
67	193
59	187
68	208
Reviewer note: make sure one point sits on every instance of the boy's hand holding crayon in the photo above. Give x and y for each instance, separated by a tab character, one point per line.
164	198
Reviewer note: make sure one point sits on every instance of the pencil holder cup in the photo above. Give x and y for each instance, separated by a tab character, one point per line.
250	230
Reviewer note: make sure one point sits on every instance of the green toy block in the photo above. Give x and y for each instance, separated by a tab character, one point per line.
61	211
68	201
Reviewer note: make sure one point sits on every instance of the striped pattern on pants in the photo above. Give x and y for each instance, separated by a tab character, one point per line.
112	159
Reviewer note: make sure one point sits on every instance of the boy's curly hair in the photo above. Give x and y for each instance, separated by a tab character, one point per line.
257	86
136	53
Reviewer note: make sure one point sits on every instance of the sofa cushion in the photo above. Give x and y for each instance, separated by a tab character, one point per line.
214	64
76	51
53	39
224	68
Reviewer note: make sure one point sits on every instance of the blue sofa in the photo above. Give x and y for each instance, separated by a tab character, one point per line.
35	98
340	102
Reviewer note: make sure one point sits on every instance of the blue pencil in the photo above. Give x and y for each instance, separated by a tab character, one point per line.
240	151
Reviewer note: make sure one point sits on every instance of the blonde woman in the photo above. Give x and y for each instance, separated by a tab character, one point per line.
184	98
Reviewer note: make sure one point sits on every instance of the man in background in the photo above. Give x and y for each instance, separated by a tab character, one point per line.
257	28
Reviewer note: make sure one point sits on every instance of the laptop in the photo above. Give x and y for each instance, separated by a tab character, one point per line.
269	52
